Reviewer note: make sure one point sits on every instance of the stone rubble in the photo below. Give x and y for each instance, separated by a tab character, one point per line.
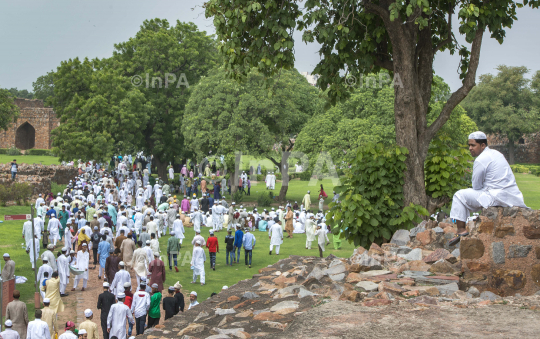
422	273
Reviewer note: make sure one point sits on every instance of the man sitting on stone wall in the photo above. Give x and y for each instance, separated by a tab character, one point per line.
493	184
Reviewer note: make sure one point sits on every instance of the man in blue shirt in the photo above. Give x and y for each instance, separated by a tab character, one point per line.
238	237
249	243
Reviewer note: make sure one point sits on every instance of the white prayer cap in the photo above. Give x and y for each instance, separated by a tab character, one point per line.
127	284
198	242
95	227
6	255
50	246
84	244
105	284
148	242
155	286
83	331
121	295
477	135
8	323
225	288
156	254
72	252
233	203
309	191
122	263
272	209
58	194
211	232
87	313
172	233
46	301
193	293
177	285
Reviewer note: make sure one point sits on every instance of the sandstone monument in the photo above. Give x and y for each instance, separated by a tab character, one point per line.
33	127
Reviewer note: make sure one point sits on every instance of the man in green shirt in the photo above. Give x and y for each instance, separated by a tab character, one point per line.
63	216
154	313
173	247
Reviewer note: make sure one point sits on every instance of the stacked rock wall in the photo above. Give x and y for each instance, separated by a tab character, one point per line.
39	177
502	255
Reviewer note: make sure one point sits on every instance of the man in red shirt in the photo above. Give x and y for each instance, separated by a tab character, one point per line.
128	301
213	247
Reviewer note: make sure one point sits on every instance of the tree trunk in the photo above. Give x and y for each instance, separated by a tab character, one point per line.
511	151
284	169
161	169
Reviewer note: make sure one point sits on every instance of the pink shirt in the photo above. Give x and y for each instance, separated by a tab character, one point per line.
185	205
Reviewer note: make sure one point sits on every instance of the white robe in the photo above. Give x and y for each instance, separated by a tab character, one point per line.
139	201
27	232
38	202
493	184
171	173
83	261
117	285
198	259
196	219
39	225
63	269
38	329
178	228
116	320
54	228
194	203
322	237
276	234
44	268
33	254
310	230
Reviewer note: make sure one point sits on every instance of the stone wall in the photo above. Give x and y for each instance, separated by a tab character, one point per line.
33	127
56	173
502	255
526	150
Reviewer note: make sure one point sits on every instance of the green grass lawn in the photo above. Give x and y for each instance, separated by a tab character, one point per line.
29	159
530	187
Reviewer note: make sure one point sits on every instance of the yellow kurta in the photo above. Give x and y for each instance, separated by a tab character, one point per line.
53	293
91	329
289	222
49	316
306	201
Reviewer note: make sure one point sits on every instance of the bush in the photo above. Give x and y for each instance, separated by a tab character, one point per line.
260	177
3	150
34	151
13	151
265	199
372	209
17	191
278	176
446	169
238	197
305	176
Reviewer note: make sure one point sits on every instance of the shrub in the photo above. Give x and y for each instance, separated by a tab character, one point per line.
446	169
13	151
17	191
260	177
305	176
371	207
34	151
238	197
3	150
265	199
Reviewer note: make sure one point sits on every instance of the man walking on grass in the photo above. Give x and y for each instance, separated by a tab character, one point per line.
213	248
249	243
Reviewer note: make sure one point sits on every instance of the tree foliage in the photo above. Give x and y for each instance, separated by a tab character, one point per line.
44	87
9	112
224	116
358	38
505	104
21	93
133	100
372	200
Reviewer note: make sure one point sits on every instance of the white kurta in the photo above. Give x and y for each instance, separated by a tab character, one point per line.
194	203
38	329
44	268
171	173
117	286
54	228
493	184
276	234
63	269
140	262
27	232
322	237
39	225
83	260
196	219
197	261
116	320
178	228
310	230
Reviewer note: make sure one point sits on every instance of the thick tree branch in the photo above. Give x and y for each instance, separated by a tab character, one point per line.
386	64
468	83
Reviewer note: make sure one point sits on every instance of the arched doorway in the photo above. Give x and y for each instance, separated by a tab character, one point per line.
25	137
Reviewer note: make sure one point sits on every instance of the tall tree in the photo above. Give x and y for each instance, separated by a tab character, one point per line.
44	86
504	104
8	110
224	116
133	100
359	37
21	93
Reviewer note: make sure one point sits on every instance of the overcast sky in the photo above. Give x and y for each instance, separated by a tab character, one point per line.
36	35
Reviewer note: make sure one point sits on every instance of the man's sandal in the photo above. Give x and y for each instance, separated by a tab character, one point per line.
457	239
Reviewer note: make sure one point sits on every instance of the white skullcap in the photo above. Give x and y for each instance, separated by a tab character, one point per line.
72	252
8	323
6	255
309	191
225	288
198	242
46	301
172	233
127	284
121	295
87	313
105	284
193	293
148	242
477	135
84	244
122	263
83	331
155	286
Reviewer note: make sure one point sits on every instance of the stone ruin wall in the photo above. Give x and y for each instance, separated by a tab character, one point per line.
526	150
502	255
39	176
33	127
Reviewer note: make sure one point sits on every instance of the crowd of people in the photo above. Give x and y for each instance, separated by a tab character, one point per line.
96	224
